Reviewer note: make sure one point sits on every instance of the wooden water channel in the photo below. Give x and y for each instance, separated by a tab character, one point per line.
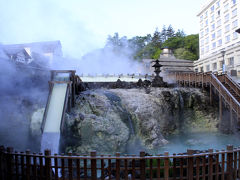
208	165
227	90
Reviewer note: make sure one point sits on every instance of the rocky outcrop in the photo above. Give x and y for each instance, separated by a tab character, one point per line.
106	120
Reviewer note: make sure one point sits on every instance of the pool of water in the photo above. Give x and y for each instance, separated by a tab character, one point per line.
198	141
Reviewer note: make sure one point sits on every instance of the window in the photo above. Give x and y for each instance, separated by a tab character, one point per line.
201	69
206	22
231	61
234	1
227	38
227	28
207	68
219	42
234	23
219	13
213	36
212	8
196	70
214	45
201	17
221	64
201	25
219	22
202	50
206	31
234	12
206	14
214	65
226	7
202	34
206	40
218	4
202	42
207	49
219	33
212	17
213	27
235	35
226	17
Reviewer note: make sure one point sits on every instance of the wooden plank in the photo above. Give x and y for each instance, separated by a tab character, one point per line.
16	166
174	168
190	164
48	169
85	168
166	166
133	169
230	162
217	166
109	169
70	166
235	165
126	169
78	168
9	163
197	168
223	166
142	166
34	166
210	165
22	165
117	167
93	165
56	166
203	167
181	168
151	169
158	168
63	168
28	164
41	166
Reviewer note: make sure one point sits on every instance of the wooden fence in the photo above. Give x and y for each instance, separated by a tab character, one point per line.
197	165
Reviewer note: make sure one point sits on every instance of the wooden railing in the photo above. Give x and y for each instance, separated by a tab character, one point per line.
224	164
210	79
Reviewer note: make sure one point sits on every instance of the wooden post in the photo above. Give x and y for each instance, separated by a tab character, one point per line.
210	164
174	167
220	110
9	163
47	153
28	164
63	167
70	166
223	165
217	165
230	162
133	169
1	162
142	166
190	164
34	166
166	166
94	165
210	94
117	166
231	117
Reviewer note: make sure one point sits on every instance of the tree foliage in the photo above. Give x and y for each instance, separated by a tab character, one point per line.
149	46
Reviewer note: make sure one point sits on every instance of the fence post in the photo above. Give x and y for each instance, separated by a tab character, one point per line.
28	163
70	166
47	153
117	166
9	163
94	165
210	164
229	162
190	164
1	162
166	166
142	166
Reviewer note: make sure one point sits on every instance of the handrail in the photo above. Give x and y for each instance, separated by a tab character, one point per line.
206	78
47	106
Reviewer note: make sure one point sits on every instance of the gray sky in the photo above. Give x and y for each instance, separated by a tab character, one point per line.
83	25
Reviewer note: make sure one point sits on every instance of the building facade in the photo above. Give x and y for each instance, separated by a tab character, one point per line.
219	43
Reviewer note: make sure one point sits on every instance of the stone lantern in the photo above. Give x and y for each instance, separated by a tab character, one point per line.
158	80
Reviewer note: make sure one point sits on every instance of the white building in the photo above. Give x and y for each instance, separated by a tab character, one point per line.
219	43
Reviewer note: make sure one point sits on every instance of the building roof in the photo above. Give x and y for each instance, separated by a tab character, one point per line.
41	47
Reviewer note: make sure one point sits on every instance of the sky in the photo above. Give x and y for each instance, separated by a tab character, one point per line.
84	25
